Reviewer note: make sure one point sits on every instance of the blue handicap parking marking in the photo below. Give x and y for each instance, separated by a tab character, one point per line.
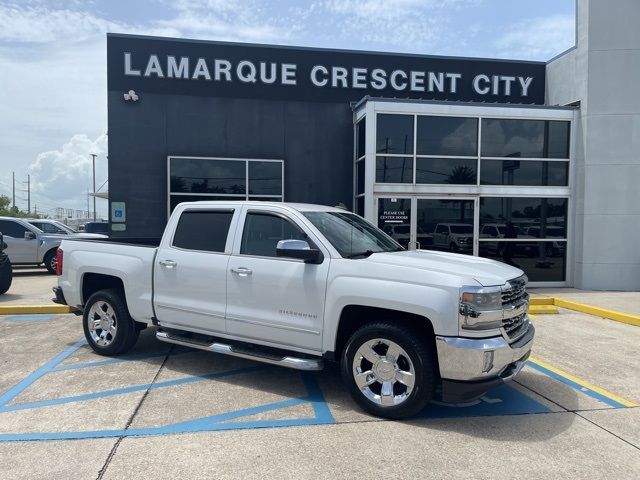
226	421
502	400
29	318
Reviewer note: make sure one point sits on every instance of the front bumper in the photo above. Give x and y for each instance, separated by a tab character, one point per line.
481	363
473	359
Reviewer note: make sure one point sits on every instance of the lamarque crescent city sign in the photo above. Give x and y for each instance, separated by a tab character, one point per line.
216	69
321	76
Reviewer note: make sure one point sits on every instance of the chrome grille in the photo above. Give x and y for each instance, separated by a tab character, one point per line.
515	327
515	296
516	291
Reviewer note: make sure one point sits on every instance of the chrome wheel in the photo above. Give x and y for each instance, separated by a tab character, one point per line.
383	372
102	323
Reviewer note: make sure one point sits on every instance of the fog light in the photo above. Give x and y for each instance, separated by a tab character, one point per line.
487	364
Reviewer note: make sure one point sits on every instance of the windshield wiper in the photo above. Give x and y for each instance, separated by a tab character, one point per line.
364	254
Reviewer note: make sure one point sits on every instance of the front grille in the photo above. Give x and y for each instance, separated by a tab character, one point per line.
515	295
515	292
515	327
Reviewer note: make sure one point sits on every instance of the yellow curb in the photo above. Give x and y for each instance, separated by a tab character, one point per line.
598	312
541	301
543	309
19	309
584	383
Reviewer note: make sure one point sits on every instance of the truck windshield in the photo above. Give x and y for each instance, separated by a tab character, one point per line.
351	235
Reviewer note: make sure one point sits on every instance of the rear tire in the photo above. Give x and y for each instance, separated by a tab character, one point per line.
6	275
389	369
107	325
50	261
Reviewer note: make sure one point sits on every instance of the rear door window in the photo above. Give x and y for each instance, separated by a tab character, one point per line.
203	230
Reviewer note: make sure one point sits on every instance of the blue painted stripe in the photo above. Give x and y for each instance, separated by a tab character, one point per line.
577	386
115	361
320	407
29	318
30	379
122	391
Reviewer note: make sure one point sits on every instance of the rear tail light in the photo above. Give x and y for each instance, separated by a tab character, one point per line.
59	257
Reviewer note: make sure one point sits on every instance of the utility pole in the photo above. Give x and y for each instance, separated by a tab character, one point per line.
94	186
28	193
14	189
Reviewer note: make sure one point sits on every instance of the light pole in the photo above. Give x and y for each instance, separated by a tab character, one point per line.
94	186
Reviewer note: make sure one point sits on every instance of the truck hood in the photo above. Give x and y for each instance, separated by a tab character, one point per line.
485	271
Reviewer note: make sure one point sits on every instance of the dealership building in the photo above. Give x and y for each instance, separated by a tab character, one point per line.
531	163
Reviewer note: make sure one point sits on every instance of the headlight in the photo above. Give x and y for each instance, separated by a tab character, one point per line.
480	308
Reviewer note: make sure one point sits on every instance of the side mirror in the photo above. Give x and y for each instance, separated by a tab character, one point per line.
29	235
299	249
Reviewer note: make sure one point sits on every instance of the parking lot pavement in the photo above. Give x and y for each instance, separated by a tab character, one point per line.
166	411
30	286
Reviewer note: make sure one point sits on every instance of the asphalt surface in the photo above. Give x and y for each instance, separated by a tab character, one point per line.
171	412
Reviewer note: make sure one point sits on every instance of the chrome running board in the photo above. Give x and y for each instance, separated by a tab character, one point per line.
261	355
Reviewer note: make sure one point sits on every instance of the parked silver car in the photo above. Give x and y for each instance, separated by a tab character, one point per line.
28	245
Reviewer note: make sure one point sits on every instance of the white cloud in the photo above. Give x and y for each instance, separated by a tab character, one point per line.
542	37
63	176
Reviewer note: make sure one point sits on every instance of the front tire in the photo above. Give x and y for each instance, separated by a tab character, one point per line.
389	369
107	325
51	262
6	275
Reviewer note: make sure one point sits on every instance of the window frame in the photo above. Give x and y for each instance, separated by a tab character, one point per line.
230	196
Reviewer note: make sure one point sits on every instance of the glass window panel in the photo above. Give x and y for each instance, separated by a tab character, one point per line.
203	230
12	229
394	170
177	199
447	136
262	233
512	138
360	137
558	139
454	171
265	178
360	206
394	134
445	225
511	217
193	175
524	172
541	261
360	177
394	217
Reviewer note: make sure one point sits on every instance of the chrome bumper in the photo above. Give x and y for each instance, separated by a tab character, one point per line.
472	360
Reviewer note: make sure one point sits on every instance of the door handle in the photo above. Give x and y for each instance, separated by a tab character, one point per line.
242	271
168	263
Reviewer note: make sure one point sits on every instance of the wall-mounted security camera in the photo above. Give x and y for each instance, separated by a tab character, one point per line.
131	96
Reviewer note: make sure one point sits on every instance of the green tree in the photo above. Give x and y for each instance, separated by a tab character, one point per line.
7	211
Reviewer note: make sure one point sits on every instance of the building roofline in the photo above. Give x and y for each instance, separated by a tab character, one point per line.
319	49
367	98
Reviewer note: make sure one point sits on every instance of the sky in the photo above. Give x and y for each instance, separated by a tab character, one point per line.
53	73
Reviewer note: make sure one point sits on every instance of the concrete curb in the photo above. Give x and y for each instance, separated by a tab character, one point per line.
615	315
20	309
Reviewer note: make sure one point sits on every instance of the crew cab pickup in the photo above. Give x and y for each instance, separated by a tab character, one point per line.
297	285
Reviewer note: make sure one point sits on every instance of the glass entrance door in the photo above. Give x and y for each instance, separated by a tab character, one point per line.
430	223
395	219
446	224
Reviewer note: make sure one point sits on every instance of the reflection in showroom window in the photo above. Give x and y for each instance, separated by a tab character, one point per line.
528	233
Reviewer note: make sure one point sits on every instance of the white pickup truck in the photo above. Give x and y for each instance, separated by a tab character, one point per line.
296	285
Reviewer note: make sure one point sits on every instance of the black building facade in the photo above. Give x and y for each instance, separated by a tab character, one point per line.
193	120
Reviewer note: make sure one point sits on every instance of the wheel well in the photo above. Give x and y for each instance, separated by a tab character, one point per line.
355	316
92	282
48	252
